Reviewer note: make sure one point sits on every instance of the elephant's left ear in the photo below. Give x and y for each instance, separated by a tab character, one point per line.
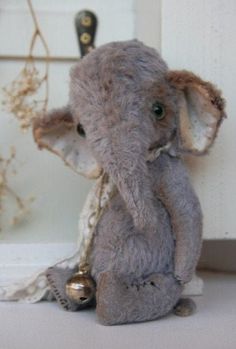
57	132
201	111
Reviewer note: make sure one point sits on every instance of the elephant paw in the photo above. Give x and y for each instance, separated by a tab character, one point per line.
185	307
110	296
57	279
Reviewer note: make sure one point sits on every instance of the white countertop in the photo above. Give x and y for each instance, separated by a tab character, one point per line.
46	326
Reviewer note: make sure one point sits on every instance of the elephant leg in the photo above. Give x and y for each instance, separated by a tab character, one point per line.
119	302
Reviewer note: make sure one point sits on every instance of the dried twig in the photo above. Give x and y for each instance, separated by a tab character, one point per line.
20	94
21	100
22	206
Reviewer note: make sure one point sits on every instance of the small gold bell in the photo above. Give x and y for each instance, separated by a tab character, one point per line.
80	288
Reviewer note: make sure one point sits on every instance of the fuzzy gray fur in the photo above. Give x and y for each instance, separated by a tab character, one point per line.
148	241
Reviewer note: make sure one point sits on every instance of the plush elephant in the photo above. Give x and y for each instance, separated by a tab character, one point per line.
132	118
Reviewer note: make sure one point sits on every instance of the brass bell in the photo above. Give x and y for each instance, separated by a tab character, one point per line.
80	288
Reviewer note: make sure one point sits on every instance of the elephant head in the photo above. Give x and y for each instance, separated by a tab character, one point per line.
124	103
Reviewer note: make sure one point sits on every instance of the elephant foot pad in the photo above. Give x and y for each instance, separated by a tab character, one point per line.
185	307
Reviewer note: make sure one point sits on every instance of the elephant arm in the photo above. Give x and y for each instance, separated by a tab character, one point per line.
183	206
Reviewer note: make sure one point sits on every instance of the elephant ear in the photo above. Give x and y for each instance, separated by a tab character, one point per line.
201	111
57	132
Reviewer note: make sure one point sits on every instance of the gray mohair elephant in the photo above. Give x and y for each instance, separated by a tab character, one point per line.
124	104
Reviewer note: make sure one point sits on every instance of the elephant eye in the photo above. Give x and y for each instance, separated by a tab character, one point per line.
80	130
159	110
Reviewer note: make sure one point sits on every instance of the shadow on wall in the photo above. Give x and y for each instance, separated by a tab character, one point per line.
218	255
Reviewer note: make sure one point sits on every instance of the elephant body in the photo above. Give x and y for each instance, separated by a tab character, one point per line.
125	104
139	269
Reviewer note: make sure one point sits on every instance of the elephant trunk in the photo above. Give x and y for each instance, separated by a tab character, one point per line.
123	155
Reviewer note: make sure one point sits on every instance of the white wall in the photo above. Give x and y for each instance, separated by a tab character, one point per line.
148	23
56	17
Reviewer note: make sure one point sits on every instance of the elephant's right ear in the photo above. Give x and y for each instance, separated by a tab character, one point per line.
57	132
201	111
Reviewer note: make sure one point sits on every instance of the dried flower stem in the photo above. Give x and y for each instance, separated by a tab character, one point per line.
6	190
21	102
19	94
33	40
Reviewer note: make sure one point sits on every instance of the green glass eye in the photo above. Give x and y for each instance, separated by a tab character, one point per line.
81	131
159	110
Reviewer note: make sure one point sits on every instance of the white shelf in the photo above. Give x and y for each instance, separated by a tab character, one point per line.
45	325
